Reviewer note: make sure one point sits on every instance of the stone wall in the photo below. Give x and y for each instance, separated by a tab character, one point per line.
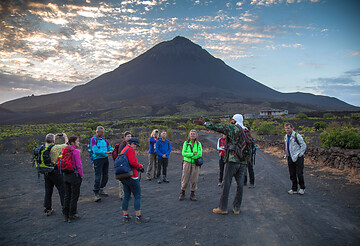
332	157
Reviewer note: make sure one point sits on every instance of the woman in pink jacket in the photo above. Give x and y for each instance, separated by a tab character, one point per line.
72	182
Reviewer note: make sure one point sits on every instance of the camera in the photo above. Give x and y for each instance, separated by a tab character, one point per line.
141	170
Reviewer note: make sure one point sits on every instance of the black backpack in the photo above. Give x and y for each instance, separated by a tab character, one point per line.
41	159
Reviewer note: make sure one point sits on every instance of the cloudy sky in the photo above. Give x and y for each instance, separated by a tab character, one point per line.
289	45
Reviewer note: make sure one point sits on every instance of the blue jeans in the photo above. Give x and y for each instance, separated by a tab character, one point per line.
101	168
131	185
236	170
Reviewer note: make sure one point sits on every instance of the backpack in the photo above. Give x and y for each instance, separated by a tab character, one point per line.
64	161
41	159
115	152
243	147
122	167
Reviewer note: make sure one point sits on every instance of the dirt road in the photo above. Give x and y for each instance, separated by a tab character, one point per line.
269	216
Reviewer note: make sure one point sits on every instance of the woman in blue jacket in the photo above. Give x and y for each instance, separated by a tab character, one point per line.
152	155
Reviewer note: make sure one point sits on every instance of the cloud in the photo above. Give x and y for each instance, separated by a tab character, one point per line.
273	2
345	87
309	64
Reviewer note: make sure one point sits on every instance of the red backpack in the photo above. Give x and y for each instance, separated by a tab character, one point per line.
64	161
115	152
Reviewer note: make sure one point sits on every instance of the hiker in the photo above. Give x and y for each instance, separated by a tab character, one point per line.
236	135
295	148
191	150
127	136
132	185
101	148
250	167
54	177
163	149
152	155
221	148
72	181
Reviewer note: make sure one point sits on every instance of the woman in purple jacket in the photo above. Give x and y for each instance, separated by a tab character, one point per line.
72	182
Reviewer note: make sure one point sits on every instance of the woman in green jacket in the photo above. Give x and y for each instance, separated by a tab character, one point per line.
191	150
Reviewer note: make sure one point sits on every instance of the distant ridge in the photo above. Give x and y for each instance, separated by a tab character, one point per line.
166	78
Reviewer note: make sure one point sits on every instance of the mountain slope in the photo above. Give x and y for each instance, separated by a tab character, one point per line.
171	73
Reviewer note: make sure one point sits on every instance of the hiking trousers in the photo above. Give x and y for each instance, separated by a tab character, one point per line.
221	168
162	163
72	192
296	170
190	173
152	167
101	168
250	169
237	171
53	179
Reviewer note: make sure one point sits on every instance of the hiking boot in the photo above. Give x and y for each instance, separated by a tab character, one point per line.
251	186
292	192
66	219
159	180
97	197
301	191
219	211
182	195
141	219
192	196
49	212
165	179
102	193
236	211
73	218
126	218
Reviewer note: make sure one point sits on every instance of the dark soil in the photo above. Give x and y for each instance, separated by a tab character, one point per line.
328	214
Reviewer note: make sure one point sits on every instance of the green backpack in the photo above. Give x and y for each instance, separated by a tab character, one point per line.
41	159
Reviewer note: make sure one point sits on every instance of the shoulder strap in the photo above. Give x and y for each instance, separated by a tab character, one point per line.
296	139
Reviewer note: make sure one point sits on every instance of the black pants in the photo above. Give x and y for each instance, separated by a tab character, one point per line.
162	163
250	168
53	179
296	170
221	167
101	168
72	192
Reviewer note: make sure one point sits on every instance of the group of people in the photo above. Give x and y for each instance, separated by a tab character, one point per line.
232	163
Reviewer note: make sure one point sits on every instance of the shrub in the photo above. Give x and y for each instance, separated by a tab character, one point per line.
328	116
301	116
337	137
320	125
355	116
31	144
52	128
268	128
